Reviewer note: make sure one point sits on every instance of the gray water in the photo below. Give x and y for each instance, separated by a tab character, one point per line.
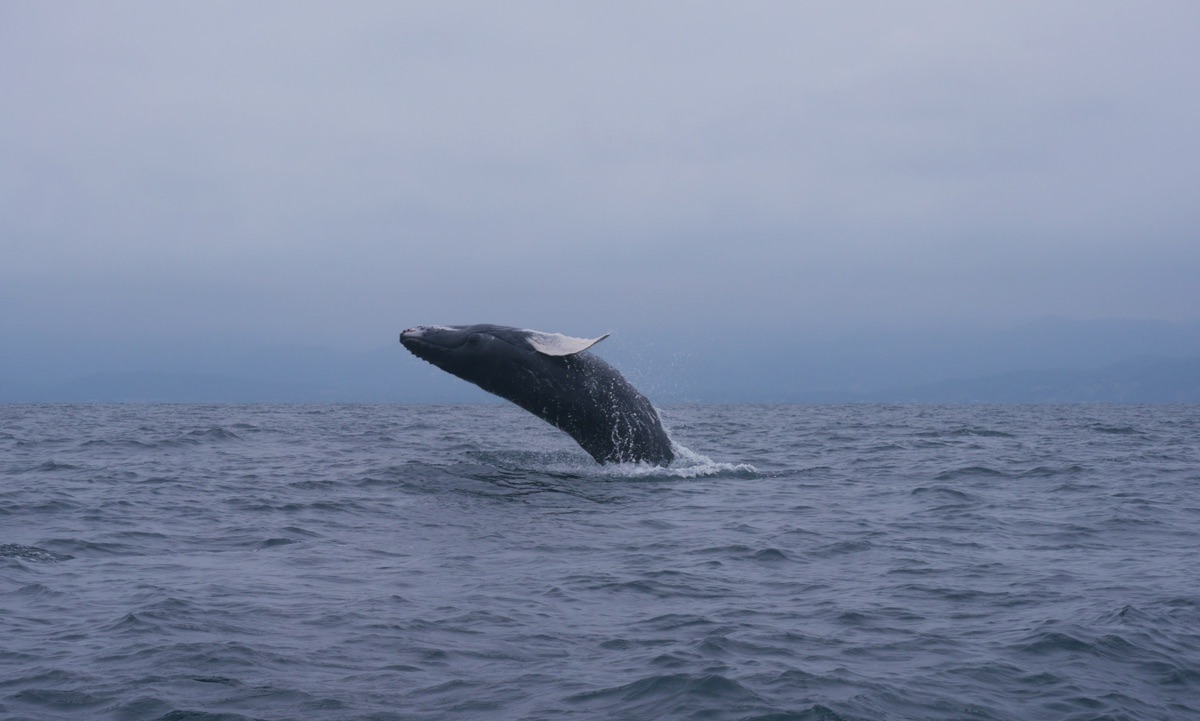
469	562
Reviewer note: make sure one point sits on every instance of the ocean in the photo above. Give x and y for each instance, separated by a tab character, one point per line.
854	562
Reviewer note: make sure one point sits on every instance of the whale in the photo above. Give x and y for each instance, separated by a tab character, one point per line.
557	379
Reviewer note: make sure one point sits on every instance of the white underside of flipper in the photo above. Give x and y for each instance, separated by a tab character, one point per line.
557	344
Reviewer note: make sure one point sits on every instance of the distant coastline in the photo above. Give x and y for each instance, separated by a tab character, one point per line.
1147	380
1047	361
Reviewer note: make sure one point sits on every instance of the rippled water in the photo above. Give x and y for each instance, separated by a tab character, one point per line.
469	562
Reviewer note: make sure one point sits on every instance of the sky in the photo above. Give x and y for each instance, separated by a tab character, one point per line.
331	173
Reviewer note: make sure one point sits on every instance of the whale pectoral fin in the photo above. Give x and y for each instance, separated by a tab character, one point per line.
557	344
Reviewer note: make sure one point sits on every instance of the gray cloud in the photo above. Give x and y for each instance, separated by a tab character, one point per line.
331	173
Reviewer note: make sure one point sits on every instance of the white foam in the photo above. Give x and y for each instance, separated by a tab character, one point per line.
687	464
690	464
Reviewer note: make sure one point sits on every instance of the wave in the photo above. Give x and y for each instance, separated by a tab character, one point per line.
963	433
31	553
670	693
975	471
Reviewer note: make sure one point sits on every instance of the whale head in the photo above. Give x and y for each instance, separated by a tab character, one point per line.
452	347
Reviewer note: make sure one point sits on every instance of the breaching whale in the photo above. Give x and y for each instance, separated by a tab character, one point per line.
554	377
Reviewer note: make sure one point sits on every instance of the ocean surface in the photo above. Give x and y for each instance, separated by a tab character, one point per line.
470	562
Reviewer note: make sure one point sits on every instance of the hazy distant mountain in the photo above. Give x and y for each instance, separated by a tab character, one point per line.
1140	381
784	366
278	375
1136	381
726	364
133	387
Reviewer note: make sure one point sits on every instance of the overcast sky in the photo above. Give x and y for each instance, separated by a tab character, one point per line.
330	173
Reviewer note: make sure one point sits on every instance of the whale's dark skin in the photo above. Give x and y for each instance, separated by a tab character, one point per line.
575	391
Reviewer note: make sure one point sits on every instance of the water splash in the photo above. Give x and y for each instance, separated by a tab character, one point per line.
690	464
687	464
